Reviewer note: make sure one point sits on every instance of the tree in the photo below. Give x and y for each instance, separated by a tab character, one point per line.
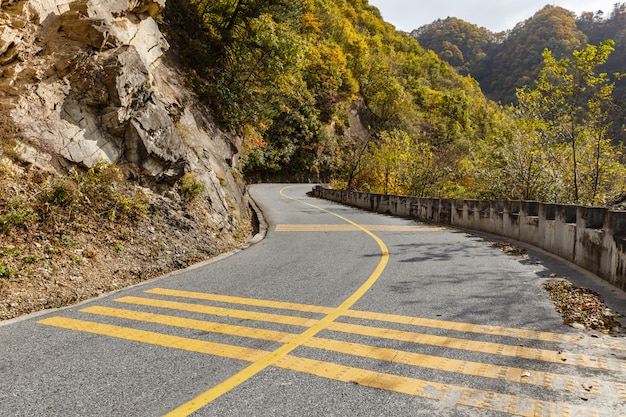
243	54
573	100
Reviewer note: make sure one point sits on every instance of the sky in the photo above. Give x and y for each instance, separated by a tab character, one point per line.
496	16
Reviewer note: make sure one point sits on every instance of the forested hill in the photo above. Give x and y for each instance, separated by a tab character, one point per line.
326	90
501	62
311	83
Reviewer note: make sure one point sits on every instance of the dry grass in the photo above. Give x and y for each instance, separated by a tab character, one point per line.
72	236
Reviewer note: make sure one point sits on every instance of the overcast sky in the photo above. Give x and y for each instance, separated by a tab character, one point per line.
496	16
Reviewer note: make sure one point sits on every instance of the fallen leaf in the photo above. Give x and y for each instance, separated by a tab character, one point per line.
577	325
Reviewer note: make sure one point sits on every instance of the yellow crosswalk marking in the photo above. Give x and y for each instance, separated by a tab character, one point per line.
545	355
505	373
389	318
515	405
143	336
471	397
219	311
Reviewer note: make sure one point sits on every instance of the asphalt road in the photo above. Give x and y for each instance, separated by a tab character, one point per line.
337	312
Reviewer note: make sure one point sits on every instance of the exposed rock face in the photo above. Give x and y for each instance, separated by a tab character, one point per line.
89	81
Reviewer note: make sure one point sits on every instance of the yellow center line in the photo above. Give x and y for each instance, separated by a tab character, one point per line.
352	228
499	402
256	367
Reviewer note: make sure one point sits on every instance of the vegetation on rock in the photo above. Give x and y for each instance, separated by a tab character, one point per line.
73	236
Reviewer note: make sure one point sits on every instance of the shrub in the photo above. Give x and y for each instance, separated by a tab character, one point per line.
30	259
16	216
133	207
61	195
6	271
102	189
190	187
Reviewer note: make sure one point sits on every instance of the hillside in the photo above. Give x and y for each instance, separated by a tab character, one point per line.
111	172
327	91
317	86
501	62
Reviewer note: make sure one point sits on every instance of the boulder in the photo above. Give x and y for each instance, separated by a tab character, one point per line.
153	143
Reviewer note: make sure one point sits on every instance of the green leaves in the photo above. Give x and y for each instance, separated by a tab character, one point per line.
324	88
570	109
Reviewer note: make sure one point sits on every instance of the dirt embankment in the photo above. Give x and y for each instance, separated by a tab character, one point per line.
67	238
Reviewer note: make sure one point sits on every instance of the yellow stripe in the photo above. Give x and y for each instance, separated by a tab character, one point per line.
456	394
218	311
280	305
390	318
610	345
352	228
566	358
504	373
545	355
466	327
176	342
505	403
269	359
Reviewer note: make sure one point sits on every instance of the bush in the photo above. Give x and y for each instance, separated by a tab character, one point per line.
6	271
16	216
105	187
190	187
102	189
61	195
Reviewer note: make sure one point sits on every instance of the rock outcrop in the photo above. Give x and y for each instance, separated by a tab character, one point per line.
90	81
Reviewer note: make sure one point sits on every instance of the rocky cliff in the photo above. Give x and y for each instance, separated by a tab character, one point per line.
91	81
94	84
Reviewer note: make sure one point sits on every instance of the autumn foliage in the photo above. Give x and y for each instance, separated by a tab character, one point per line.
325	90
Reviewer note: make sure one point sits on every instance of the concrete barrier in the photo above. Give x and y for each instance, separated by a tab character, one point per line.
593	238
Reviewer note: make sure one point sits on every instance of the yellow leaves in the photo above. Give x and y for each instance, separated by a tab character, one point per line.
398	162
253	137
310	23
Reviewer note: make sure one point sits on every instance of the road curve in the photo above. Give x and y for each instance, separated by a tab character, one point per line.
336	312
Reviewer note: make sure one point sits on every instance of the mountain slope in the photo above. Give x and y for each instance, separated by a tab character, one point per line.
111	171
513	59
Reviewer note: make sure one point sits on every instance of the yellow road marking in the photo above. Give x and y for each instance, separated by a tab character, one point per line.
164	340
256	367
352	228
504	373
545	355
521	406
390	318
471	397
219	311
